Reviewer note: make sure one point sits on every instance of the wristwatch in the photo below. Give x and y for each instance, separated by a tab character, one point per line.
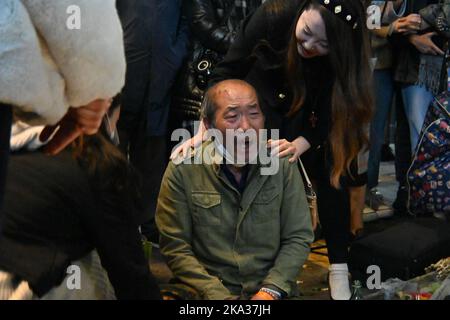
274	294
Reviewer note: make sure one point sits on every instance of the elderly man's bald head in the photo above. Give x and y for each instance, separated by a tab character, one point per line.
231	107
231	92
229	87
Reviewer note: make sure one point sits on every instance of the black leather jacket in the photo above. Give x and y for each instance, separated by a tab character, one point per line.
213	24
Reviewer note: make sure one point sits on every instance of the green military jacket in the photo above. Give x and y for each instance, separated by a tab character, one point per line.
226	244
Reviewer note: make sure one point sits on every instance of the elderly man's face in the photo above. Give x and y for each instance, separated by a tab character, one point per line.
238	111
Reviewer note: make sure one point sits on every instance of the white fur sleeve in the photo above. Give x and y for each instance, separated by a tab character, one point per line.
25	80
91	59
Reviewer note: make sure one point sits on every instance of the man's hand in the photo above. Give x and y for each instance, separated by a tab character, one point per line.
77	121
408	25
261	295
425	45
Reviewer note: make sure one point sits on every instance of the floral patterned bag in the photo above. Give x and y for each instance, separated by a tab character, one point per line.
429	174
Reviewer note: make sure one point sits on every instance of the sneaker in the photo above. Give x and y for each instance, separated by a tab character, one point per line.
338	281
374	199
376	203
369	214
385	212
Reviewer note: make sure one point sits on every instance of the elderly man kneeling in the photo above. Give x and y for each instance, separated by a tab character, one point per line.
227	230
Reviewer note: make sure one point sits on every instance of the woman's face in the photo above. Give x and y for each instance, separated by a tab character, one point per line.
311	35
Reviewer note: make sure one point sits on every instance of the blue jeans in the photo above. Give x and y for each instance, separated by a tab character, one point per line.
416	100
384	93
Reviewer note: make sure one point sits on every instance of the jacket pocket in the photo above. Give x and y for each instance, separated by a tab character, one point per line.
266	206
206	211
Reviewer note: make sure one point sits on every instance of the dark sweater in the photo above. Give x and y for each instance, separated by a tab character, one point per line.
52	216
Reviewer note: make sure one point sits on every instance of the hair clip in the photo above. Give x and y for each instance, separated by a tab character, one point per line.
339	8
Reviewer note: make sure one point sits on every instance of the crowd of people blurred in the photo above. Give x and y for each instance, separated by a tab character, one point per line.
86	122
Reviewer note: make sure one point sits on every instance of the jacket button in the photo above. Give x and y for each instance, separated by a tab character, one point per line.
281	96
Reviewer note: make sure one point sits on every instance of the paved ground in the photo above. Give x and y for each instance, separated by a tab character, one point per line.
313	279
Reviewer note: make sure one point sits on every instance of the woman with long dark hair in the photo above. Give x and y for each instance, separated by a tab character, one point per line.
309	62
61	211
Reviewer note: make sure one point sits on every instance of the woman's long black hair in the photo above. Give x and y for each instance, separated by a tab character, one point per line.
351	100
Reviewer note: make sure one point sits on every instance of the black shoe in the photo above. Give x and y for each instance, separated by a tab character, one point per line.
400	203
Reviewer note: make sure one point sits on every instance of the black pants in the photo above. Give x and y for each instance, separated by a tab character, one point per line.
334	215
333	204
136	18
146	149
148	156
5	133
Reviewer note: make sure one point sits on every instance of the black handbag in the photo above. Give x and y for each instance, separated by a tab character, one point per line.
203	66
207	60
